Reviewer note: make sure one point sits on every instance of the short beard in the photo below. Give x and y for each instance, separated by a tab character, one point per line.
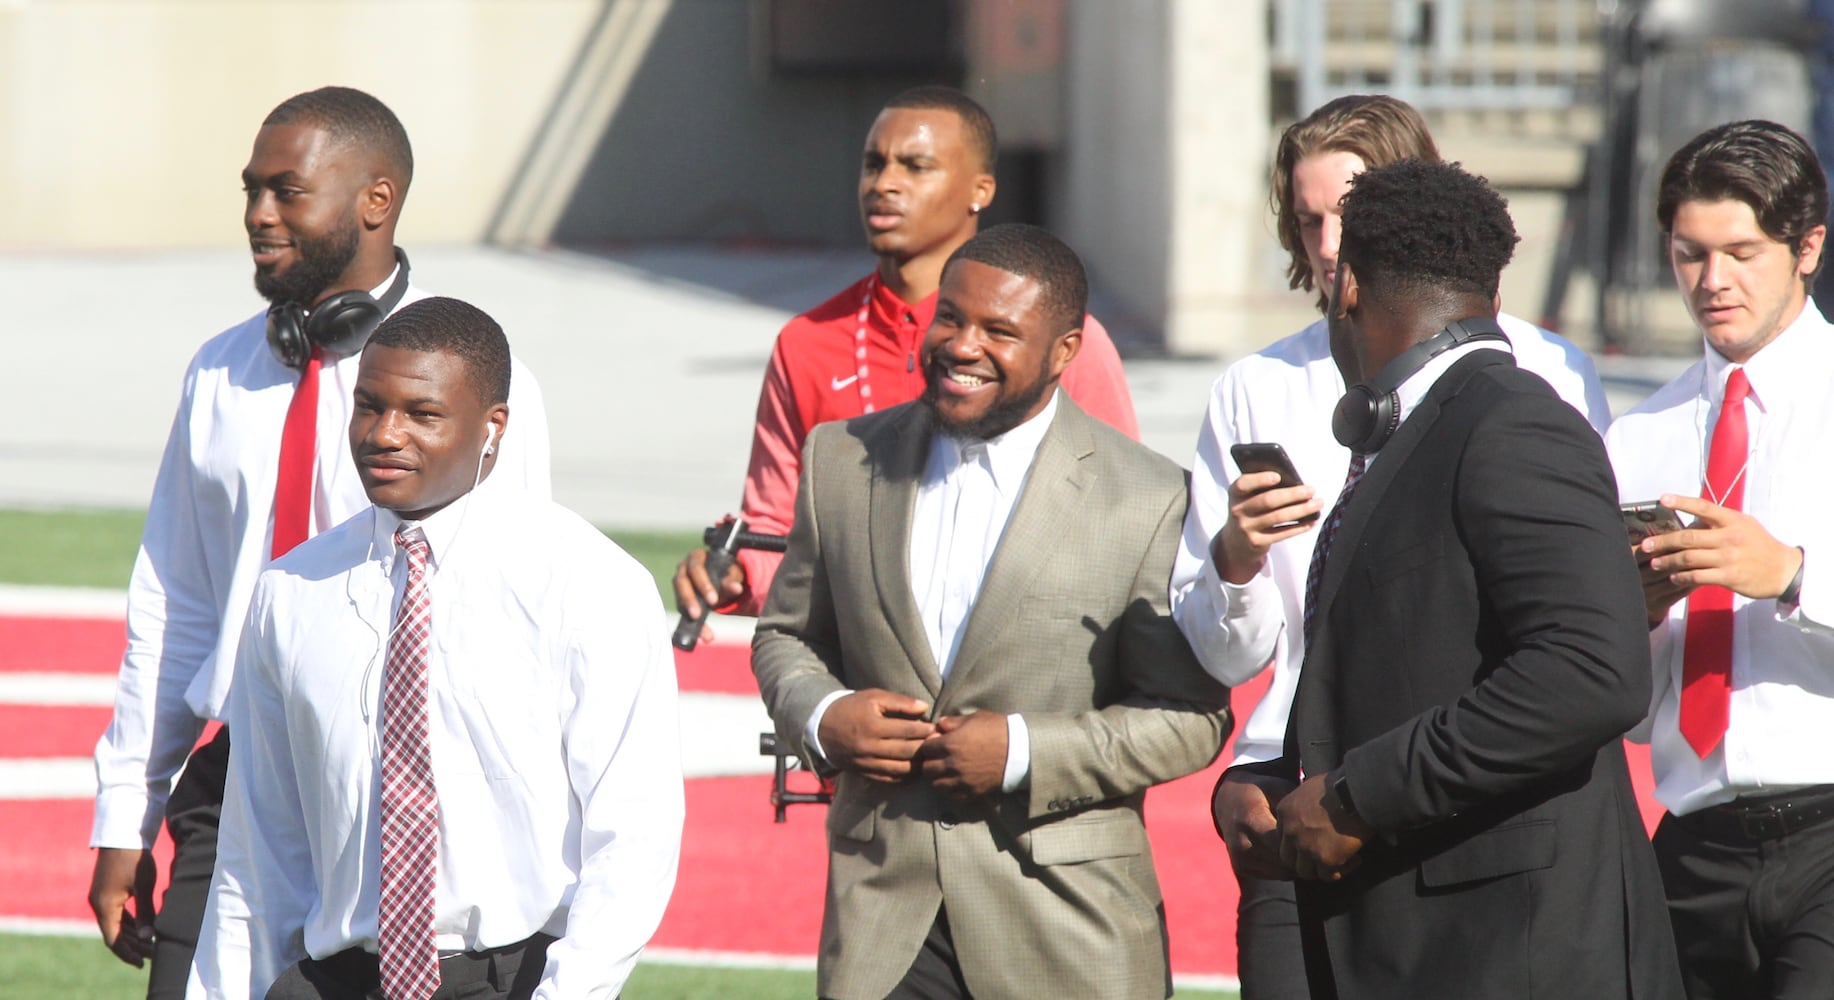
322	259
999	418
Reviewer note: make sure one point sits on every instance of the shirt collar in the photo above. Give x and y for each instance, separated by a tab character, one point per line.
1009	456
440	529
1793	360
1412	391
891	314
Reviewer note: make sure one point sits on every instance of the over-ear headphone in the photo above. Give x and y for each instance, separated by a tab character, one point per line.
340	324
1369	413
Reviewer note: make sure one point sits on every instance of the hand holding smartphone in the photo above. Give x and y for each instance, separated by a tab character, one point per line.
1267	456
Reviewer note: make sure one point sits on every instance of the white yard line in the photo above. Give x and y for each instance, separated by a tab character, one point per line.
63	690
50	778
45	927
62	602
719	739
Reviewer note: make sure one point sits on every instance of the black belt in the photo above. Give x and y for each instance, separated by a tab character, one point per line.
1763	817
361	970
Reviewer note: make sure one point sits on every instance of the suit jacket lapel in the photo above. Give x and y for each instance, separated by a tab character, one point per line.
1053	498
897	470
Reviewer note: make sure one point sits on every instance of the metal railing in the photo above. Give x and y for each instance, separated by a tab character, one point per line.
1439	55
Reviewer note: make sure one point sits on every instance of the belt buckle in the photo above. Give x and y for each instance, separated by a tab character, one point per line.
1762	824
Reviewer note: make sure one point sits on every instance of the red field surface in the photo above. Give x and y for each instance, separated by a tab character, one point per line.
746	883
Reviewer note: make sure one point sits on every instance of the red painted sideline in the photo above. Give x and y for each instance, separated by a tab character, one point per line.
62	645
41	731
746	884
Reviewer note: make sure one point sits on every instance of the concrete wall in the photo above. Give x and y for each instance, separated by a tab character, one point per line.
705	147
1166	166
127	123
592	122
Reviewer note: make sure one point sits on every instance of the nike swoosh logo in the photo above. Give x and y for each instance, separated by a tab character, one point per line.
839	383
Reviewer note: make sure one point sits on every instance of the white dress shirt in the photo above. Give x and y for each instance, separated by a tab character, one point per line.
1285	394
964	501
208	532
555	737
1782	706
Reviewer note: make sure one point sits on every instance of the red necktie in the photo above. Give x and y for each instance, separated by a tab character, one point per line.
1706	665
406	944
298	456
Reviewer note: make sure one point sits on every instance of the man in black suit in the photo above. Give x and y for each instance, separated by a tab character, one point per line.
1465	825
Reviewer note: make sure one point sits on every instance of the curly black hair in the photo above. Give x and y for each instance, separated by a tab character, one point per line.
1415	225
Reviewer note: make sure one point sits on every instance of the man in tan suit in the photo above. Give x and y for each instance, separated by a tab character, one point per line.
971	627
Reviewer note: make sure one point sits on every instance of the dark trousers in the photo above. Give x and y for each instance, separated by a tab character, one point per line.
508	973
936	973
1753	915
1269	958
191	817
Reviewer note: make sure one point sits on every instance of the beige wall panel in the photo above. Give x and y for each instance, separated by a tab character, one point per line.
128	123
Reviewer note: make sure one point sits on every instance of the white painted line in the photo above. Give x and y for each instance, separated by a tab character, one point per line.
62	602
52	778
47	927
719	959
1220	983
80	690
719	736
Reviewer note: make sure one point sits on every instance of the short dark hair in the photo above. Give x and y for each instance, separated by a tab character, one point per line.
450	326
353	118
1376	128
1766	166
1418	225
1032	252
975	119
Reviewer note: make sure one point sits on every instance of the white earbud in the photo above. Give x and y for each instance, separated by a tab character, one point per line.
490	437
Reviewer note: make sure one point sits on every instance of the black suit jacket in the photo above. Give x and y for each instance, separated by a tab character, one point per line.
1480	650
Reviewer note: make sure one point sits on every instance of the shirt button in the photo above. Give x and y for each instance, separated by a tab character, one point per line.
947	821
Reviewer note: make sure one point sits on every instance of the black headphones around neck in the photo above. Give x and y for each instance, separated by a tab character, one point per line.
340	324
1369	413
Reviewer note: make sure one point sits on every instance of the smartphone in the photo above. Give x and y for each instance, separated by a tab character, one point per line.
1265	457
1268	456
1643	520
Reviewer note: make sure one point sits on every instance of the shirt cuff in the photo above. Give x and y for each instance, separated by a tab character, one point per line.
126	818
1018	754
811	741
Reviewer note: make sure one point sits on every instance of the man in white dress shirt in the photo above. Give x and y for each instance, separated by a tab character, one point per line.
456	770
255	463
1742	636
1240	573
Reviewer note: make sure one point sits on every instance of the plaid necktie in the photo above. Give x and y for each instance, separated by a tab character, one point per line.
1706	659
1315	574
408	949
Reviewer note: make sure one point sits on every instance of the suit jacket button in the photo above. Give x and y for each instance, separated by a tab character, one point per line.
947	821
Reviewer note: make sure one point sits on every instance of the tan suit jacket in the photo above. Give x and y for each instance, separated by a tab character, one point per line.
1050	890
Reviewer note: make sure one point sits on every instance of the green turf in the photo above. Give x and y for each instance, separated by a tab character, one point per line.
79	969
95	548
69	548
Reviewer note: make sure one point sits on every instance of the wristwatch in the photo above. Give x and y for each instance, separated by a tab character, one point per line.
1792	594
1340	791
